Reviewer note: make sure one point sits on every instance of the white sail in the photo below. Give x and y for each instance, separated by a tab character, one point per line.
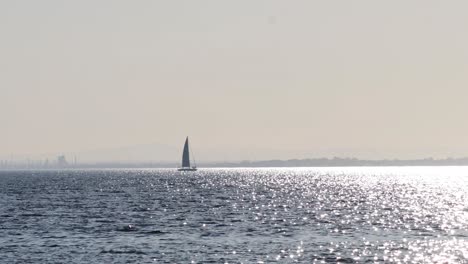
186	155
186	158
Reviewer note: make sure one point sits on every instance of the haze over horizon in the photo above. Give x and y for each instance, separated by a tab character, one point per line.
251	80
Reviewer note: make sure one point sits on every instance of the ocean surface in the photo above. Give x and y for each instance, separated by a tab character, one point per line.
271	215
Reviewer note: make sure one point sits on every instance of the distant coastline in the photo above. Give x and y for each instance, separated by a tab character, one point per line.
348	162
320	162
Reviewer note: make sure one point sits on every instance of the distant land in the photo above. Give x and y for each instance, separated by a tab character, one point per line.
320	162
348	162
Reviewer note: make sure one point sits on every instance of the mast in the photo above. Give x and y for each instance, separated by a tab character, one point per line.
186	155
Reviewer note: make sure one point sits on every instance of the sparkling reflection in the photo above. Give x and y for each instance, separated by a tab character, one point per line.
399	214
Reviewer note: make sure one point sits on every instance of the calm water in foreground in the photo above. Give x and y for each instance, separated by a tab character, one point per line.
412	214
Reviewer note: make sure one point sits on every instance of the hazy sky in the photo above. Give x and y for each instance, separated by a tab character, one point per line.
261	79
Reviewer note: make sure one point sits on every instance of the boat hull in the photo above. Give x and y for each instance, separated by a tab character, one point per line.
187	169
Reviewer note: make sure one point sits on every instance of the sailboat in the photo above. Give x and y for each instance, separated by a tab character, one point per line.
186	158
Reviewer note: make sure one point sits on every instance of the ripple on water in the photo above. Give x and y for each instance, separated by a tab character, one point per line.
235	215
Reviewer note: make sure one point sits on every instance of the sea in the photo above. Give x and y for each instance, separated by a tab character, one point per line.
235	215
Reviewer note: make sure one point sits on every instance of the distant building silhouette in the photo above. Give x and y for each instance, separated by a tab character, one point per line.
61	161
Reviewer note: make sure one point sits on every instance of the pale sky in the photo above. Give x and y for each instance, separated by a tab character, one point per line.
244	79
